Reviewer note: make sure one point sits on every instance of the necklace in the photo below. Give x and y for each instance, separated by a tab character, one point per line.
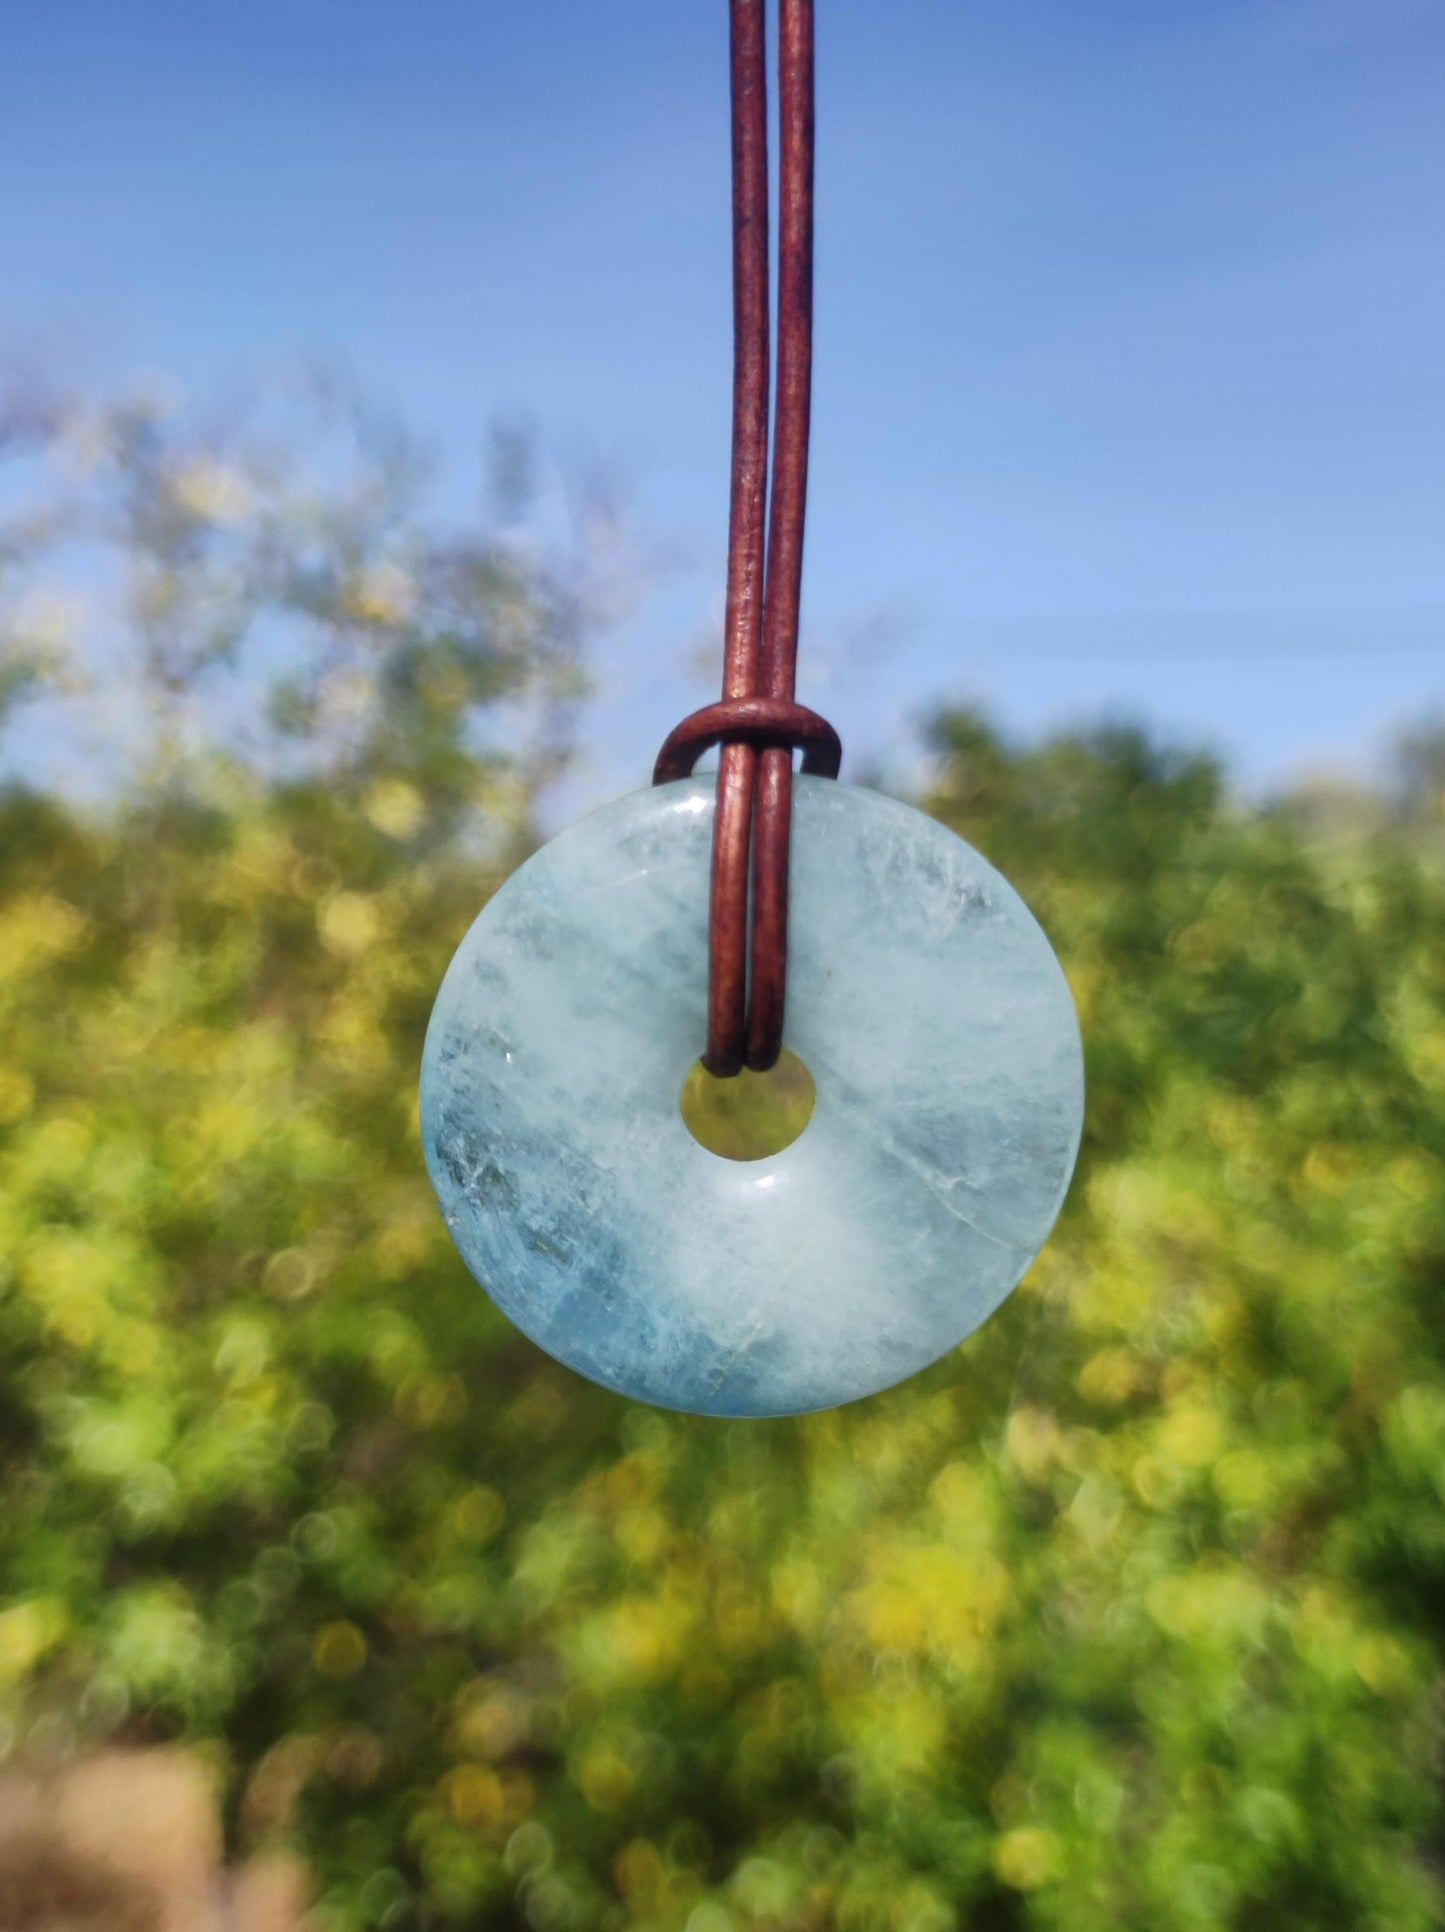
921	996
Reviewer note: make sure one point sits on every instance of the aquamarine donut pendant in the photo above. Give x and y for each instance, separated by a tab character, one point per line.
940	1034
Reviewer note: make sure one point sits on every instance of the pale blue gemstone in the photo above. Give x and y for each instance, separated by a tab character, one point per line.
938	1028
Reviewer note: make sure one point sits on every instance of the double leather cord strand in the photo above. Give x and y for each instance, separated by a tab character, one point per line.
758	722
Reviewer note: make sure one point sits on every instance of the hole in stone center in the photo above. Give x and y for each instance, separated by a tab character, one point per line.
753	1115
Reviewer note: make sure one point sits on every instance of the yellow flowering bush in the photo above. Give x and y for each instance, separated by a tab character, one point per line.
1128	1613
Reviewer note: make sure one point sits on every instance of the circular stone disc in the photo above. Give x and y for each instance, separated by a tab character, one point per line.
935	1021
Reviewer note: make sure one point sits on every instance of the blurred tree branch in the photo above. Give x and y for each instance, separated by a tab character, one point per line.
273	582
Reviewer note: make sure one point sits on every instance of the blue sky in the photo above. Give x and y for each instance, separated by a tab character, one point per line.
1129	393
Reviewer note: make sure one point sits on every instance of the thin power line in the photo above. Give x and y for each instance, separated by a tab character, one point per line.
1167	650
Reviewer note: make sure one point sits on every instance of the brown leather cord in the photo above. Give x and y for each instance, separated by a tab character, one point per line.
758	722
786	514
747	524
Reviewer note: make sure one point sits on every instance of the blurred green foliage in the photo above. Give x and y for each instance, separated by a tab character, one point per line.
1128	1613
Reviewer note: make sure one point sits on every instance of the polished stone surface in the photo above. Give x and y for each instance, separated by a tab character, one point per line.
936	1023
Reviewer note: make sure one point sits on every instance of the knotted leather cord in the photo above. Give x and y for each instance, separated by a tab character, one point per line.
758	721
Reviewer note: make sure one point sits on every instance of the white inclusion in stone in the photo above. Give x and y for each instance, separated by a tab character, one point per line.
937	1026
